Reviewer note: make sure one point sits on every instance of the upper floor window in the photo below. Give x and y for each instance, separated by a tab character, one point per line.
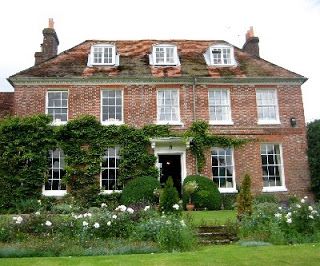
54	185
168	107
57	106
220	55
272	167
164	54
267	104
103	54
219	107
110	170
111	106
223	169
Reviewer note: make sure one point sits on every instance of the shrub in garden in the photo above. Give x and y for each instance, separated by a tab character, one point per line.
169	198
207	195
298	223
140	189
171	233
228	201
110	201
262	198
244	199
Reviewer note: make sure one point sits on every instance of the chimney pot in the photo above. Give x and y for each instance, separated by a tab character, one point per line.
51	23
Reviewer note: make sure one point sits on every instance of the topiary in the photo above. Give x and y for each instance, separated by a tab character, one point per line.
207	195
169	198
140	189
244	199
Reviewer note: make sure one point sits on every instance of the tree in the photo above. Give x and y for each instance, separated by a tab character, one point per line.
313	135
244	199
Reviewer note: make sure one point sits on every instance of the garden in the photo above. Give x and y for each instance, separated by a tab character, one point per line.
144	218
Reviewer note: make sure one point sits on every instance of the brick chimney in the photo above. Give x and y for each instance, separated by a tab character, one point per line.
251	45
49	47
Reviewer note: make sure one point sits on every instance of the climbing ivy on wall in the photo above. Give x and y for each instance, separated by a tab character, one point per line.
25	143
203	140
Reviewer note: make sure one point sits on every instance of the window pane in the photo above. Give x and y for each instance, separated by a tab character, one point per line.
111	105
109	169
168	105
222	167
267	105
56	170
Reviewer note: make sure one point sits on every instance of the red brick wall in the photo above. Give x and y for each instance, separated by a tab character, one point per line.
6	103
140	108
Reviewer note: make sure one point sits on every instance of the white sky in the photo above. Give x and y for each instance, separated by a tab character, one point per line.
289	30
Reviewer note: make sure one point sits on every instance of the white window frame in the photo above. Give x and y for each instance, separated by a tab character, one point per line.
169	122
225	189
282	187
51	192
210	59
228	105
57	122
274	105
117	151
114	60
111	121
166	62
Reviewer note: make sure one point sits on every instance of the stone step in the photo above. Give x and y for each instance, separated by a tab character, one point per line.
215	235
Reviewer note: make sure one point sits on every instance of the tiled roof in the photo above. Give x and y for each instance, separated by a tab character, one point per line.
134	62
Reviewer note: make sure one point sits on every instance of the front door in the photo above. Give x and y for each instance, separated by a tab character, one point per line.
170	165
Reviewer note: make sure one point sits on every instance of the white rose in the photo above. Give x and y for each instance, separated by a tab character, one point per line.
48	223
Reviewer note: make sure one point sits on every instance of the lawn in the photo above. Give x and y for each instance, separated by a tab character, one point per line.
307	254
210	217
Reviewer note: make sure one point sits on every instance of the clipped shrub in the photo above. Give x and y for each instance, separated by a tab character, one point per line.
228	201
140	189
207	195
265	198
169	198
244	199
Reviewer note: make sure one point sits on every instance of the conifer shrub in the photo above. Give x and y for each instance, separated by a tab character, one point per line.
169	198
140	189
244	199
207	195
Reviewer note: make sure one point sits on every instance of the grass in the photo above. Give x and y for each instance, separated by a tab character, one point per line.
307	254
211	217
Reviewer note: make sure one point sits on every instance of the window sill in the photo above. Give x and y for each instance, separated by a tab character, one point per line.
221	123
54	193
275	189
270	122
171	123
228	190
59	123
108	123
108	192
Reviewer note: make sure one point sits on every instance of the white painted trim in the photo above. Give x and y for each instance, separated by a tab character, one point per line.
176	150
209	57
115	56
152	57
53	193
112	122
177	122
269	121
221	122
234	188
54	122
282	176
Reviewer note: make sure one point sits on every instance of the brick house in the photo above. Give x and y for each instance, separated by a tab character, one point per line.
176	82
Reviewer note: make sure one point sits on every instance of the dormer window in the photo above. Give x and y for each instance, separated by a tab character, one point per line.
164	55
220	55
103	55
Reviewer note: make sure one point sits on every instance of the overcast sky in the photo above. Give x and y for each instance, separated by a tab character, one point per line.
289	30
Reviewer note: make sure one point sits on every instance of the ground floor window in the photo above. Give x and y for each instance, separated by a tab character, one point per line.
223	169
56	171
110	169
272	168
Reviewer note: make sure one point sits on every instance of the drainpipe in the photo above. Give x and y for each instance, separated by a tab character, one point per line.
194	113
